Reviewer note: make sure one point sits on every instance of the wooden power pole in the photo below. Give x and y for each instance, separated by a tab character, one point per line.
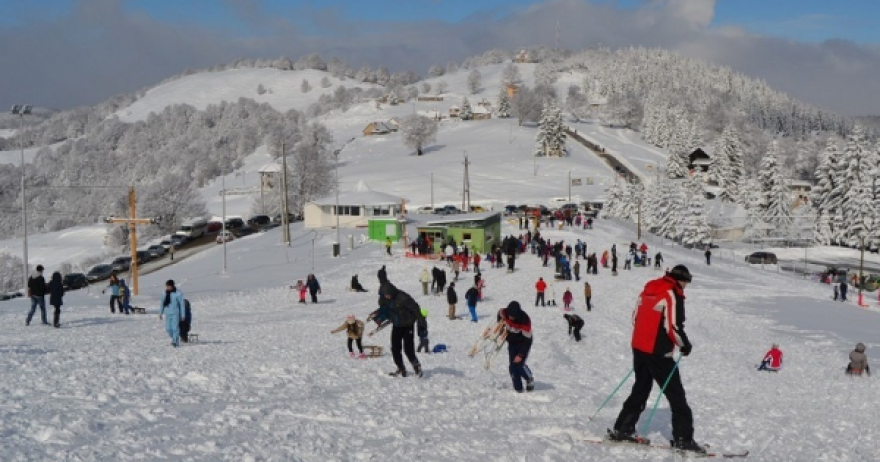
132	221
466	188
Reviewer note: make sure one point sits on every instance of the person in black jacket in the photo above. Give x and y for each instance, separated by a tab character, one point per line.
575	324
472	296
404	313
441	280
37	292
185	322
452	299
519	342
356	285
56	294
314	287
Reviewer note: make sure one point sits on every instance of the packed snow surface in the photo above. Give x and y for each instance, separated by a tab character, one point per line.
269	382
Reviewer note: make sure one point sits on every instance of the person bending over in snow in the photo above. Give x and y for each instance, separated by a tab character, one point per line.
772	360
356	285
575	324
405	314
355	329
519	342
858	361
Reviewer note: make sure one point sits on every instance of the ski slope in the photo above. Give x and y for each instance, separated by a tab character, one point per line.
269	382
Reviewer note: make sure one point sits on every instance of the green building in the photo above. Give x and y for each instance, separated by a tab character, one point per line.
478	231
378	229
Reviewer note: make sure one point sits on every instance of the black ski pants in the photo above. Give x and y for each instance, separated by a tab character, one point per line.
359	345
539	298
649	369
402	338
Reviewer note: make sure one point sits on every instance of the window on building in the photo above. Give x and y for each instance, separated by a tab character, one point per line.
466	236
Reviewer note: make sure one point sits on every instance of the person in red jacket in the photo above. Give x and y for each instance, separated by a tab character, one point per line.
567	297
658	328
772	360
540	286
476	261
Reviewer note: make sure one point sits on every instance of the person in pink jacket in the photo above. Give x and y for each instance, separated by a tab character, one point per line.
567	297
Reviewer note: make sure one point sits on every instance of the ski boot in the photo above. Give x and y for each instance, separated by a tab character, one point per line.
418	369
621	436
362	356
687	445
530	385
351	355
401	373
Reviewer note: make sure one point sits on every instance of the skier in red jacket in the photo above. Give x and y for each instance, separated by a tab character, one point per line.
540	286
658	328
772	360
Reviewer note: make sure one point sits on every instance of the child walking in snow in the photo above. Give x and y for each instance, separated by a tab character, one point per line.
551	295
567	298
423	333
302	289
355	330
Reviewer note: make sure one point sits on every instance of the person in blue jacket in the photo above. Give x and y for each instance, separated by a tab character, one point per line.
172	308
115	299
472	296
125	294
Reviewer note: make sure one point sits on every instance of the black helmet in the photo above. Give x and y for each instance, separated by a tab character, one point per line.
680	273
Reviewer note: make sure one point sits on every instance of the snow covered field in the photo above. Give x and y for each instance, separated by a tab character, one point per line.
268	381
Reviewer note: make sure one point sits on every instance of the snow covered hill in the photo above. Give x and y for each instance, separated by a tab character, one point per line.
269	382
283	90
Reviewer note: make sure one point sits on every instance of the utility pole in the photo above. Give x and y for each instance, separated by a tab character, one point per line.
639	219
223	232
21	111
466	190
861	269
432	191
285	225
132	234
569	185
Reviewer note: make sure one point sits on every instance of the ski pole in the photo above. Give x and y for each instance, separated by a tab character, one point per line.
662	389
612	394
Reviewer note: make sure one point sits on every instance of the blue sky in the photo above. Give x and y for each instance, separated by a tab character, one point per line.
799	20
63	53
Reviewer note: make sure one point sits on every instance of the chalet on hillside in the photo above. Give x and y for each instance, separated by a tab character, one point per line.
430	98
699	160
800	192
512	89
454	111
522	57
269	174
377	128
481	113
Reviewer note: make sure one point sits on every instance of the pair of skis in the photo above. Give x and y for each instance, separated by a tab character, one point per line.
646	444
490	342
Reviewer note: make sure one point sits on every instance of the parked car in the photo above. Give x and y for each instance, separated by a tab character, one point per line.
478	209
452	210
257	221
291	218
166	243
569	206
245	231
178	240
510	210
214	226
440	211
157	250
99	272
426	210
193	229
143	256
224	236
234	223
74	281
10	295
121	264
762	257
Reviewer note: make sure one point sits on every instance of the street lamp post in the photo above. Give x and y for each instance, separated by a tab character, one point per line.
21	111
337	250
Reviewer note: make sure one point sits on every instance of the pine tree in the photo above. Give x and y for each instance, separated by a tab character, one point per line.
466	112
669	215
632	198
775	202
614	197
856	180
821	196
503	104
695	229
727	165
755	226
550	139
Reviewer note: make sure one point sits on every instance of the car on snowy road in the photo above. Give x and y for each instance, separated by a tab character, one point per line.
224	236
99	272
762	258
74	281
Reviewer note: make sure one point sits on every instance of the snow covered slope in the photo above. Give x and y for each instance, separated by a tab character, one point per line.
200	90
269	382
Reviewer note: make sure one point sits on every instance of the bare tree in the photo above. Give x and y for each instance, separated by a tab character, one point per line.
474	81
511	74
418	131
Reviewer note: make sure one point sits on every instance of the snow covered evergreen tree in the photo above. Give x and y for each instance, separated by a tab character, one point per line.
669	213
475	79
466	113
305	87
418	130
755	227
614	198
503	104
855	185
695	228
775	202
822	196
550	139
510	75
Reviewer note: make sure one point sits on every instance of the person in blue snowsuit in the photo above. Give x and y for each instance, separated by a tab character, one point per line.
126	297
173	309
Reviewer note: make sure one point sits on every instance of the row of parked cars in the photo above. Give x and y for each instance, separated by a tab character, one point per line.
188	232
447	210
590	209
